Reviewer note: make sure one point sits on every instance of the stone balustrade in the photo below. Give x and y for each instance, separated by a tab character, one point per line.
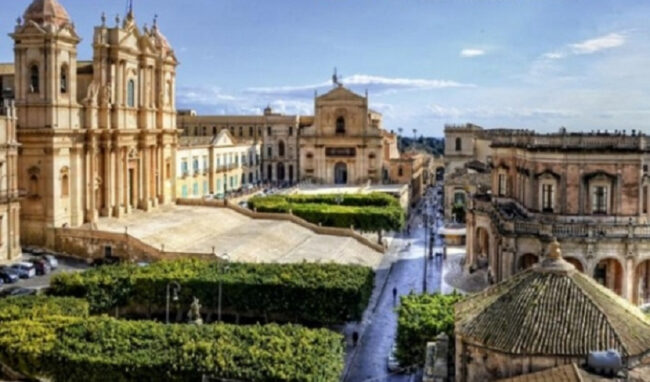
617	141
563	226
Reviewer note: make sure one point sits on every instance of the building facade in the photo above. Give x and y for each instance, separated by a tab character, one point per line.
98	138
277	133
9	194
588	190
344	144
216	165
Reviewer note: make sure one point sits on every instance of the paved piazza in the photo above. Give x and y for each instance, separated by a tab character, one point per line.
198	229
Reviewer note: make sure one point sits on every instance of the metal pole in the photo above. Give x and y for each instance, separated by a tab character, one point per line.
167	306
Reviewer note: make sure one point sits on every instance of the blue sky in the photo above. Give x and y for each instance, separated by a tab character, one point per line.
582	64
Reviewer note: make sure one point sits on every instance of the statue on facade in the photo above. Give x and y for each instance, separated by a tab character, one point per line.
194	315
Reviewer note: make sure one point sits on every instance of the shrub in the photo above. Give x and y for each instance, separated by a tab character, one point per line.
420	318
105	349
304	292
16	308
366	212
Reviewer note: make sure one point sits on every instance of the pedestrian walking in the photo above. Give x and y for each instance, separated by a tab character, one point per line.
394	293
355	338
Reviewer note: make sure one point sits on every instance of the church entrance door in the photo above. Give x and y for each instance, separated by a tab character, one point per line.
341	173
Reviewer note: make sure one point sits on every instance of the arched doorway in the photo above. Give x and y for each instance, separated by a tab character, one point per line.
575	262
291	173
280	172
527	260
642	283
281	149
609	273
341	173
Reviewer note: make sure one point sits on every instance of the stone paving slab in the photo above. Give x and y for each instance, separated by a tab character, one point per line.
199	229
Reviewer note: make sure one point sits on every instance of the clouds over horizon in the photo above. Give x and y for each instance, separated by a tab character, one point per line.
589	46
471	53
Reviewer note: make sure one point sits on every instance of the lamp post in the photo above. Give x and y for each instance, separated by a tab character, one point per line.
222	268
175	290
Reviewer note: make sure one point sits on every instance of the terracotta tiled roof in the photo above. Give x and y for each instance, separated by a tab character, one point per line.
46	12
552	310
565	373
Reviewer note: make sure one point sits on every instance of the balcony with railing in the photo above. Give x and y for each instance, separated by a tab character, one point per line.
511	218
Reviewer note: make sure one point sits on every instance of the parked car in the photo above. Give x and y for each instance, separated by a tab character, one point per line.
24	269
42	266
392	364
9	275
107	260
16	291
52	260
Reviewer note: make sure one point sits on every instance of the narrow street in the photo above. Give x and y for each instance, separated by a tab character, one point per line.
407	274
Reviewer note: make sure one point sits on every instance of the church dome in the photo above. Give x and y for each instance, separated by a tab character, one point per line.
47	12
552	309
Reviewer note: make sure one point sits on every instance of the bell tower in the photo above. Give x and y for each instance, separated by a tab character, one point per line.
49	120
45	46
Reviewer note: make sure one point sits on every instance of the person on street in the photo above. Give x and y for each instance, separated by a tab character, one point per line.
394	294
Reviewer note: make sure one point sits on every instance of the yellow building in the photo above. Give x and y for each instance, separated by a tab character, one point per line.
98	137
9	195
277	133
216	165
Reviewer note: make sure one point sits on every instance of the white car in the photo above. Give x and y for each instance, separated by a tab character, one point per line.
392	363
24	269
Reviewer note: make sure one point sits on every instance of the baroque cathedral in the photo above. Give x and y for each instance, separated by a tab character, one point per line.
98	138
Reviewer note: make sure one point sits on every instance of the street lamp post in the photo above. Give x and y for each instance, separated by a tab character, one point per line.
223	268
177	288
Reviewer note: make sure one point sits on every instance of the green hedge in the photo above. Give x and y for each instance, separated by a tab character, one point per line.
303	293
27	307
366	212
420	318
99	349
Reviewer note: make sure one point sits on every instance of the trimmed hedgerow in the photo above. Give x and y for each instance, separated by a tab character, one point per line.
34	307
366	212
302	293
420	318
105	349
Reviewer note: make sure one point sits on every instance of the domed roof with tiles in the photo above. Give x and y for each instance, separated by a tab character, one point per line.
47	12
552	309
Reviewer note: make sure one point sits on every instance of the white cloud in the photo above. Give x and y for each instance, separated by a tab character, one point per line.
359	83
554	55
469	53
507	112
594	45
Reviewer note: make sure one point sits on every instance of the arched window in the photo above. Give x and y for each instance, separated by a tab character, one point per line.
65	185
130	95
214	130
290	130
400	171
241	131
34	79
268	130
459	144
250	131
281	148
64	79
269	152
340	125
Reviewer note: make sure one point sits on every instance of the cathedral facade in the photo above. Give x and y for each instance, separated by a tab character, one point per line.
98	138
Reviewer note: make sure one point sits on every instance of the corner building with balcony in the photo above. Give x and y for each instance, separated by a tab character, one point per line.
588	190
97	137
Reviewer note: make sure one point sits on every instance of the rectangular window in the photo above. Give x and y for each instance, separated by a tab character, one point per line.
184	169
547	198
502	184
205	187
205	163
195	164
645	199
599	206
219	190
184	191
195	189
